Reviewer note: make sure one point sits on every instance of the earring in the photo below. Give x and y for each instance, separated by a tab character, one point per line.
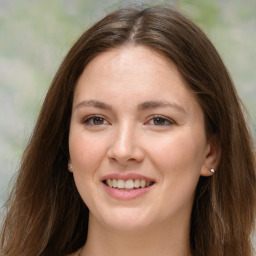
212	170
70	166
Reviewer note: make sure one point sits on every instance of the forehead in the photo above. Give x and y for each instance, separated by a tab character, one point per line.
118	60
131	71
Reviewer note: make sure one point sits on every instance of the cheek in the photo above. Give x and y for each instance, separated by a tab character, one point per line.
85	153
178	161
179	156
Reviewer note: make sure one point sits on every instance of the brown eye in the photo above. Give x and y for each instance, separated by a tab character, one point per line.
160	121
95	120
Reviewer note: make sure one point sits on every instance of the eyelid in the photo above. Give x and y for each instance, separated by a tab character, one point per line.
170	120
86	120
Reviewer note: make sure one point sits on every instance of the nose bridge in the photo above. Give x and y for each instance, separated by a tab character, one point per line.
125	145
125	138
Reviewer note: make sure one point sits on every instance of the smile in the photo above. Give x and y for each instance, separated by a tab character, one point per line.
129	184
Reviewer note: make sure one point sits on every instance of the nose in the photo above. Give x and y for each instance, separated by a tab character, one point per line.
125	147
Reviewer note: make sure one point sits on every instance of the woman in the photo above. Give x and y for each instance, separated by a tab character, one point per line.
141	148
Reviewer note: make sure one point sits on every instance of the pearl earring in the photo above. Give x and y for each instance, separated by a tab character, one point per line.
212	170
70	166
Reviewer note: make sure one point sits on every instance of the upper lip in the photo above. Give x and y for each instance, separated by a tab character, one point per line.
126	176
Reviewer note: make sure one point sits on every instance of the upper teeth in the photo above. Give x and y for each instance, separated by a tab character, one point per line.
128	184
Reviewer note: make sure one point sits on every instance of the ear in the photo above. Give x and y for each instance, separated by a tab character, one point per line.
70	167
212	157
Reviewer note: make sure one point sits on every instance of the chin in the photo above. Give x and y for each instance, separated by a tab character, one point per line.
126	219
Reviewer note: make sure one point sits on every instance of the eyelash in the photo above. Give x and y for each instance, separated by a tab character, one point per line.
90	120
164	121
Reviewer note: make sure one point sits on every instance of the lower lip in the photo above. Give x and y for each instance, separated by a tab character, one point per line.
126	194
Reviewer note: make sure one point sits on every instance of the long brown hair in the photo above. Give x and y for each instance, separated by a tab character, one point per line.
45	214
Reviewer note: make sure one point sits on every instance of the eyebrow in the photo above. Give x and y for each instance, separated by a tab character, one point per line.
93	103
143	106
156	104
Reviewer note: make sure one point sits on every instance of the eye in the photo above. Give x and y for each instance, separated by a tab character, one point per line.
95	120
160	121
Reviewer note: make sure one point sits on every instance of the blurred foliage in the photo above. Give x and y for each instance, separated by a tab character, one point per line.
36	35
205	13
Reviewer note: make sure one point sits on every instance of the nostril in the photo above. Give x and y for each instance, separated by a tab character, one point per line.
125	151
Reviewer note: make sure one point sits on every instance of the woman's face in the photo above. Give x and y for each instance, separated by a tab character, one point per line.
137	140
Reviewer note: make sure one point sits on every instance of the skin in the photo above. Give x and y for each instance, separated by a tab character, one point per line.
166	143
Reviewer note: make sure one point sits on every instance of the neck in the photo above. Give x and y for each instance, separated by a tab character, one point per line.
163	239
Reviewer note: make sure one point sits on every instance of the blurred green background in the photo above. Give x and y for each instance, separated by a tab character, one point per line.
36	35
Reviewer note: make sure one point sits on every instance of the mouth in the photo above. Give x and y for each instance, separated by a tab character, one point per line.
130	184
